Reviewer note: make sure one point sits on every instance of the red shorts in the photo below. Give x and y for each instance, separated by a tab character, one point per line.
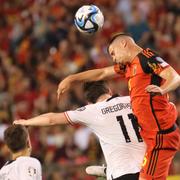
159	153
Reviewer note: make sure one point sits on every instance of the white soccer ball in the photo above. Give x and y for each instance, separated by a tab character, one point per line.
89	19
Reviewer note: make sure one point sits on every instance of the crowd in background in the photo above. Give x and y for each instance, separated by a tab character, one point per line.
40	46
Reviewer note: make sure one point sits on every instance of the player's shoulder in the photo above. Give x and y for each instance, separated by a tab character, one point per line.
147	54
112	100
124	98
150	61
82	108
29	168
28	160
146	58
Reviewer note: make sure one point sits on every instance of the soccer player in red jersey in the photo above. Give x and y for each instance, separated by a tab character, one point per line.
150	78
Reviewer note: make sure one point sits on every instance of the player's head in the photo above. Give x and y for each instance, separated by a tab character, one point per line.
120	48
94	89
16	138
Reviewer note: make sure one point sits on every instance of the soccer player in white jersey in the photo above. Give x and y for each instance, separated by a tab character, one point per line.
21	167
111	119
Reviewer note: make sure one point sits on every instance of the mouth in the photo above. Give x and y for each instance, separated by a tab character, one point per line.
117	61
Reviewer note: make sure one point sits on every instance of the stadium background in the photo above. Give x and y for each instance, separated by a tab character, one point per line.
39	46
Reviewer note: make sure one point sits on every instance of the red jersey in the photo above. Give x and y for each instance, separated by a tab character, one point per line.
154	113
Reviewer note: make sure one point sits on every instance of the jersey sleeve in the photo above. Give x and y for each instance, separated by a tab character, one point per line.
80	115
30	170
152	63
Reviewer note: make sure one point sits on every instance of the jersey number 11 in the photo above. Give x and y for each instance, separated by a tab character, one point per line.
135	127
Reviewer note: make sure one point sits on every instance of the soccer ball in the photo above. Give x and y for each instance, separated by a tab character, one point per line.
89	19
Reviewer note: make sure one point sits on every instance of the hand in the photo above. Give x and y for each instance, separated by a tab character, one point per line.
155	90
63	87
21	122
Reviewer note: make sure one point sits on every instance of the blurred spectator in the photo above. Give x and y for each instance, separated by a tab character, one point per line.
39	46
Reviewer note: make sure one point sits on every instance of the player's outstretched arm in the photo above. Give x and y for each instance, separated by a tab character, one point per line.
91	75
47	119
172	81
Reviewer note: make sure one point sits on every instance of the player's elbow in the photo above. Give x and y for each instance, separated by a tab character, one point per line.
176	81
173	78
101	76
105	73
96	74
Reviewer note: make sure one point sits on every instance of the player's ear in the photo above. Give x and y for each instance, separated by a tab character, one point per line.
110	91
29	143
5	148
123	42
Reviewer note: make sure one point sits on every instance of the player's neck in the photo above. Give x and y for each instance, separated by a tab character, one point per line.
135	51
103	97
24	152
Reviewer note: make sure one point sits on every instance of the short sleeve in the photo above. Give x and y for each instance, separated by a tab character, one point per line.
31	170
79	115
152	64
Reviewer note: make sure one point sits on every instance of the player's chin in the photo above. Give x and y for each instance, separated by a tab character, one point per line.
115	61
122	63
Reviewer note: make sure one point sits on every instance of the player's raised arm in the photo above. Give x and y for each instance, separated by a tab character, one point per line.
172	81
47	119
90	75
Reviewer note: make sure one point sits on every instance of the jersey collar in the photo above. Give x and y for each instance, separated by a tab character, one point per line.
112	97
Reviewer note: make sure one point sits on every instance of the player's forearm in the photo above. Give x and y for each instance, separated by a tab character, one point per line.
47	119
42	120
92	75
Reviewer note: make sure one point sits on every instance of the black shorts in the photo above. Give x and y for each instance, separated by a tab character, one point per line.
128	177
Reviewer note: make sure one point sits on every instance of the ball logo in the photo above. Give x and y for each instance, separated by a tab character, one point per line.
80	21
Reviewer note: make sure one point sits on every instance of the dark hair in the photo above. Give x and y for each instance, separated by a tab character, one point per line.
116	36
16	137
94	89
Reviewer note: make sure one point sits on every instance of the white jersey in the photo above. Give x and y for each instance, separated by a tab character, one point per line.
116	127
23	168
